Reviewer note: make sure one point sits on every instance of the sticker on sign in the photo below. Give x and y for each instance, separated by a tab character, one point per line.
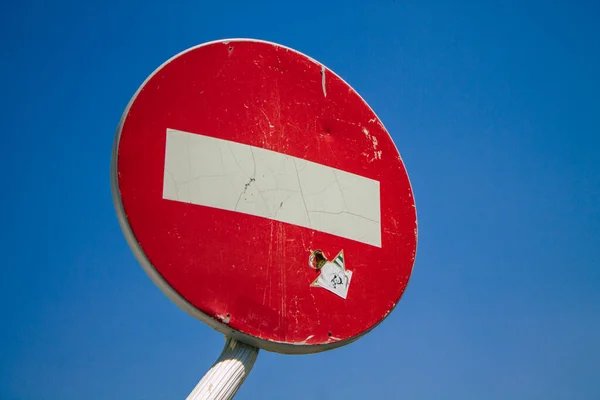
263	195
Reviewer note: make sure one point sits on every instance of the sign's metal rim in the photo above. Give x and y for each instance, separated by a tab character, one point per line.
279	347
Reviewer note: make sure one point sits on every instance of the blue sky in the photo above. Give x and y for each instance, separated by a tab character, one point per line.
495	111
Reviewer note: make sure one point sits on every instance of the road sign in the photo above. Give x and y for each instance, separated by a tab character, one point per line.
263	195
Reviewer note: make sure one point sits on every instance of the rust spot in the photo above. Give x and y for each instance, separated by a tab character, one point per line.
317	259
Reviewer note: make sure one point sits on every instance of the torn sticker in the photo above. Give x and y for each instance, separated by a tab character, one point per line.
333	274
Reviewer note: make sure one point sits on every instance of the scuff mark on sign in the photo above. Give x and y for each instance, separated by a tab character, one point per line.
323	80
305	341
268	120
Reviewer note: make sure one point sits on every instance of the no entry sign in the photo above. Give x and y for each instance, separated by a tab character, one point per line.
265	197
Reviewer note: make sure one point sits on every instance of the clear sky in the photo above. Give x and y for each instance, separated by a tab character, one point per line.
495	110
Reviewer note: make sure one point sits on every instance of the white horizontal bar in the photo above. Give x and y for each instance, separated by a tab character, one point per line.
218	173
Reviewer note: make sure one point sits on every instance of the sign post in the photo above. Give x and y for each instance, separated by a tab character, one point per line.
264	197
228	373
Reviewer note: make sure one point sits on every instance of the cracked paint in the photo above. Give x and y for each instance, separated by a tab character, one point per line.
222	174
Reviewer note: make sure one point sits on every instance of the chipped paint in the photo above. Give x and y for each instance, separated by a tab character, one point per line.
376	155
224	318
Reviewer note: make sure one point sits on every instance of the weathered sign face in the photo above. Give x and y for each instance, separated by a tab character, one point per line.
265	197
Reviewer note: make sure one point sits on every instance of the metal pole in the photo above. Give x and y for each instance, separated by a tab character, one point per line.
227	374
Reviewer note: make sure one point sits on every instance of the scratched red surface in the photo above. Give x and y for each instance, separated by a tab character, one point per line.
254	269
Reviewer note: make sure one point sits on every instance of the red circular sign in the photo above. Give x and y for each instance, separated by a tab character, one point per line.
264	196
